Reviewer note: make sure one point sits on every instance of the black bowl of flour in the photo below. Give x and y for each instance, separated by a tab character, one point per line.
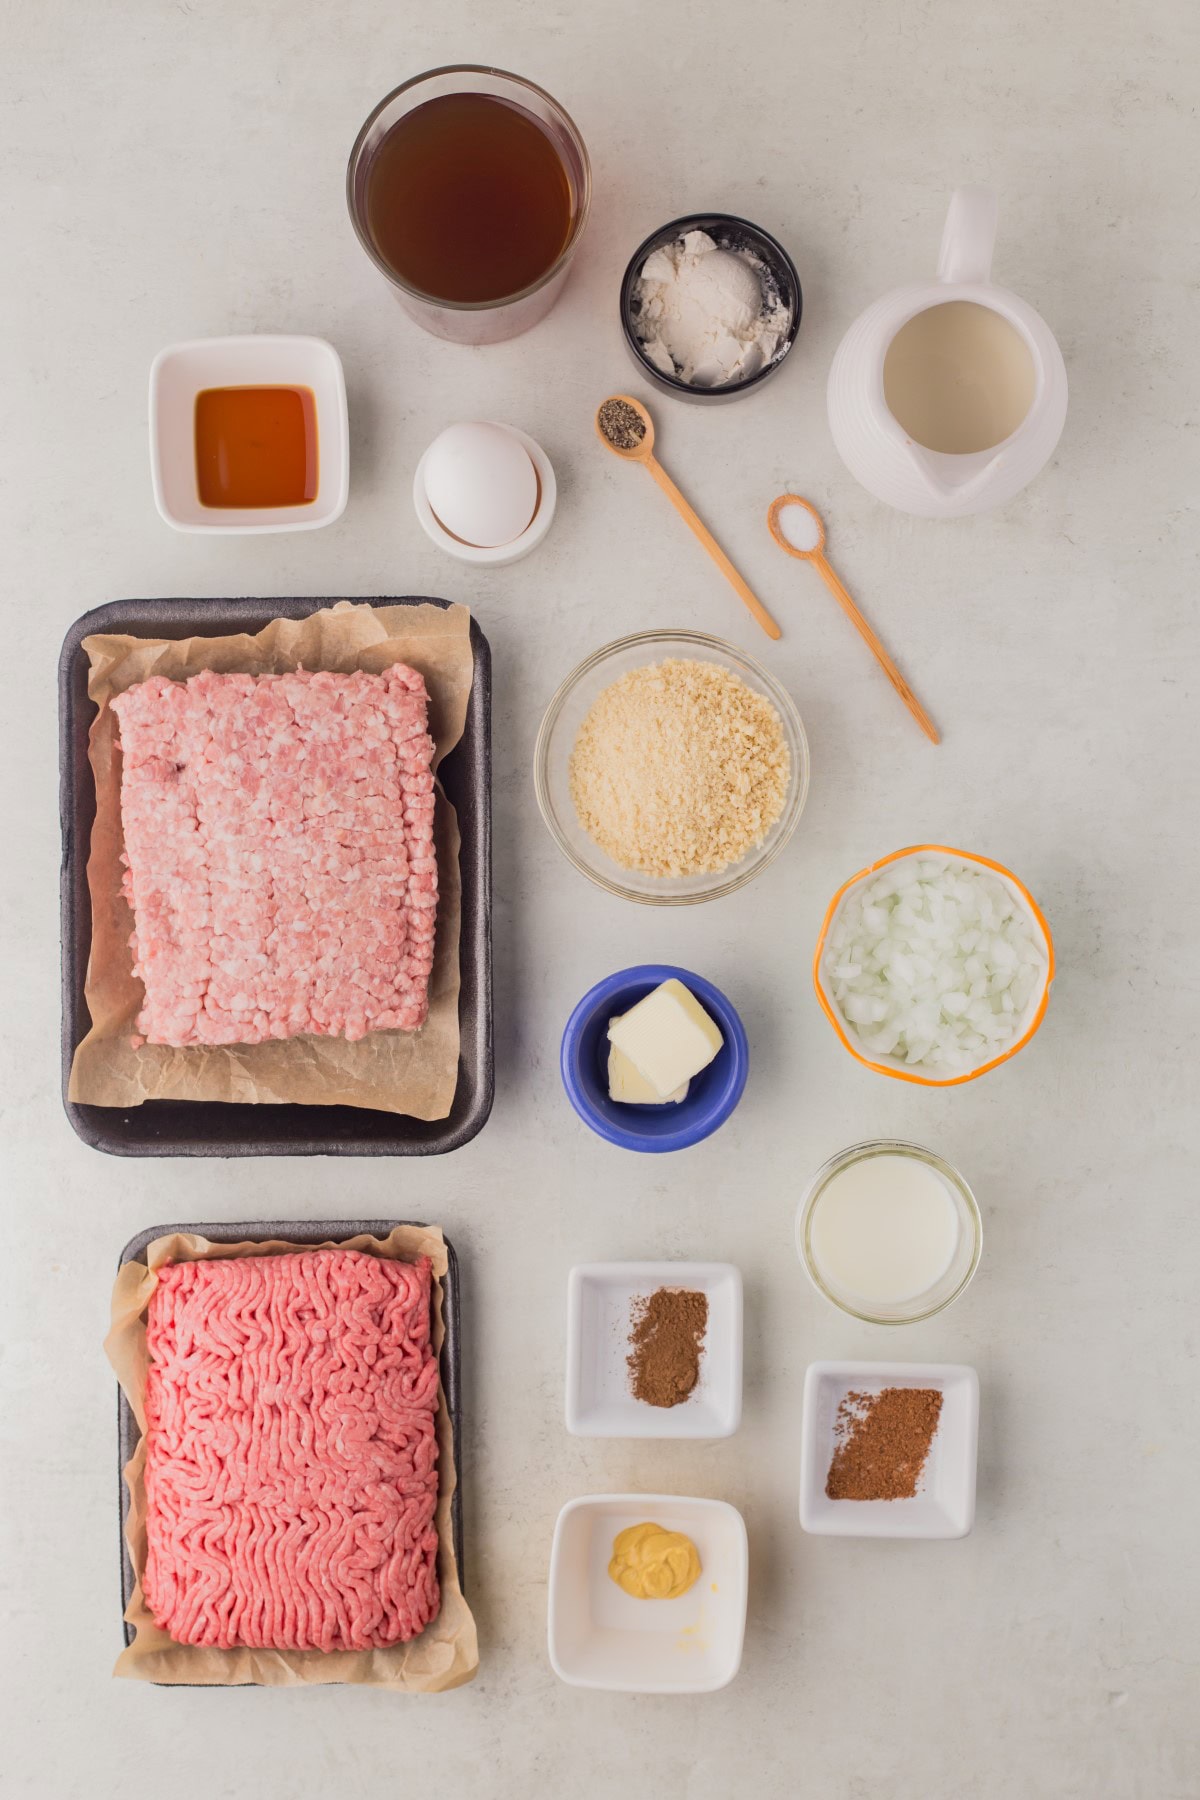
778	280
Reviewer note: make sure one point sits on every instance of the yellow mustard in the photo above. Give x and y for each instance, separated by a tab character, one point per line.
649	1563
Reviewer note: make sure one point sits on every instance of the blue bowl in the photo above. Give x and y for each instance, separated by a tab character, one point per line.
713	1093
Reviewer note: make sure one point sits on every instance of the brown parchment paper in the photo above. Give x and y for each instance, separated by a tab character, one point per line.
389	1071
446	1655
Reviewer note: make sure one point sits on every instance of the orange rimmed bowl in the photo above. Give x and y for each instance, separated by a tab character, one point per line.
1034	1011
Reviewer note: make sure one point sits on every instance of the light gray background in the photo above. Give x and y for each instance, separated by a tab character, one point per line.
176	170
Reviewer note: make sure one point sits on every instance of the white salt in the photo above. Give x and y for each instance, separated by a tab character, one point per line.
800	526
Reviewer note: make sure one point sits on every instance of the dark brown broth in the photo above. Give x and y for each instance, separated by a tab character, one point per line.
467	199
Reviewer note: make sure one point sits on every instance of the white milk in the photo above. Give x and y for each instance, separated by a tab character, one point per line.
884	1230
958	377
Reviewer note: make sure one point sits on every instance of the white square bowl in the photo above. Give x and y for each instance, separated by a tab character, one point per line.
181	371
600	1298
944	1505
599	1637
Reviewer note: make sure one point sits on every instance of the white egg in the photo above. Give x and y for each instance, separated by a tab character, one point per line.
481	484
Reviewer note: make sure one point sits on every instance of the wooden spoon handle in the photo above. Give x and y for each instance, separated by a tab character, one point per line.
890	670
714	549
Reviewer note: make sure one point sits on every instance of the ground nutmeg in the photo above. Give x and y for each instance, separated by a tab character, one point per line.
666	1342
883	1441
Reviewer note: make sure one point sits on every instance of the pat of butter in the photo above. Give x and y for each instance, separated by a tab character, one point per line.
668	1037
628	1084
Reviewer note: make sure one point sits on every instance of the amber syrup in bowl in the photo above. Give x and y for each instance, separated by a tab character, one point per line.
256	446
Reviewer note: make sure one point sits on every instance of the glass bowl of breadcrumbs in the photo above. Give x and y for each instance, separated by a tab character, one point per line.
671	768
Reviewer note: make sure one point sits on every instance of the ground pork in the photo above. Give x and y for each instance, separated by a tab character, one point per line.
291	1460
279	854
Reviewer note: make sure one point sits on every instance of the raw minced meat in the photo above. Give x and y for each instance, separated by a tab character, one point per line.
279	854
291	1456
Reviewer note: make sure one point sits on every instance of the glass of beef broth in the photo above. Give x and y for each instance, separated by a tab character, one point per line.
469	189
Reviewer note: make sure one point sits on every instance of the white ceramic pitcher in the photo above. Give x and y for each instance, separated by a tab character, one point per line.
872	443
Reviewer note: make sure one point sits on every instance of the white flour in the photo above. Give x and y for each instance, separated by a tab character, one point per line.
708	315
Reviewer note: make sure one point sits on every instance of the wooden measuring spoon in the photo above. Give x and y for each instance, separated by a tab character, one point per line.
803	535
641	452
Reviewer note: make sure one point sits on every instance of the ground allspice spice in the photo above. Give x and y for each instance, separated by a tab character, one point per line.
622	424
666	1341
882	1442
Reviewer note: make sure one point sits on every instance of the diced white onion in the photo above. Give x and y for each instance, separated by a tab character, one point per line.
934	964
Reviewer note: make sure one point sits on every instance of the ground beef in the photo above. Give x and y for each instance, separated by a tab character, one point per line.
279	854
291	1461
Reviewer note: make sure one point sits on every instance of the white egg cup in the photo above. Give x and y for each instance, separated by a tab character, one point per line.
500	554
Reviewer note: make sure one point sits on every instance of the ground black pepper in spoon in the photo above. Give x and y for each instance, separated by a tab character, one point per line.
622	424
625	428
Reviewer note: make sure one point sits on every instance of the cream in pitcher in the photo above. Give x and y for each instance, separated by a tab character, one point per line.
948	397
958	378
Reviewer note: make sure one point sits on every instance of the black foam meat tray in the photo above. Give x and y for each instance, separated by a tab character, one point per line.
218	1128
296	1231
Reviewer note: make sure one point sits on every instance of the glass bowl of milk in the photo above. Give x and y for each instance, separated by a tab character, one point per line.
889	1231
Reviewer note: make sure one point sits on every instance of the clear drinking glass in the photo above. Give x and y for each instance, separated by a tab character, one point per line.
963	1263
488	321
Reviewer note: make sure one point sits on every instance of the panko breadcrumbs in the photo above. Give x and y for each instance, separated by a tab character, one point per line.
679	768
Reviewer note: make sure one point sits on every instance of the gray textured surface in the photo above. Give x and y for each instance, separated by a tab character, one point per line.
172	170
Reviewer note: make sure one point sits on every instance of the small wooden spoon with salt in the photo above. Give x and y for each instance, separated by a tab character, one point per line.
798	528
619	432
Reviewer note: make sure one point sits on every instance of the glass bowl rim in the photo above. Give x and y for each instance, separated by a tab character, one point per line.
581	217
797	787
858	1153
